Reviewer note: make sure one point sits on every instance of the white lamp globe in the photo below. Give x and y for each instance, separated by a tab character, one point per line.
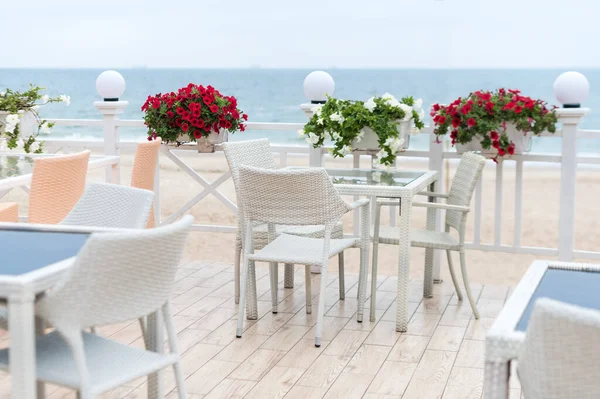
571	89
317	85
110	85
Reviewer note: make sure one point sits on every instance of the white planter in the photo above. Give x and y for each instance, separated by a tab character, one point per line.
207	144
370	140
521	140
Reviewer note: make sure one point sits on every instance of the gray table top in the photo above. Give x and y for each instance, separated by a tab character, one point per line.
581	288
24	251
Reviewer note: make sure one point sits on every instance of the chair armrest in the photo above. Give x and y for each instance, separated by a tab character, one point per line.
442	206
432	194
359	203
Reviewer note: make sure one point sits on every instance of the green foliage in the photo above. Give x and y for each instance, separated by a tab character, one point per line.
344	120
483	116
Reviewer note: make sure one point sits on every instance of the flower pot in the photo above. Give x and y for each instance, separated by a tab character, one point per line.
370	140
522	142
207	144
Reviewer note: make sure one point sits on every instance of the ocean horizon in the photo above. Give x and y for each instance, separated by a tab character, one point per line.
275	94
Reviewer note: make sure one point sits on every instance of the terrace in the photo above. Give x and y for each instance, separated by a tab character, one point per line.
524	208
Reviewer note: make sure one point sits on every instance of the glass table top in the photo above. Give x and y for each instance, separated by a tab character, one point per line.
571	286
26	251
370	177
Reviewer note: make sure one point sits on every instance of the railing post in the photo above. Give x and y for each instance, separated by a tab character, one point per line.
570	118
111	110
315	155
436	162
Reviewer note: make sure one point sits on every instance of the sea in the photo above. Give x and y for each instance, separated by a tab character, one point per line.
275	95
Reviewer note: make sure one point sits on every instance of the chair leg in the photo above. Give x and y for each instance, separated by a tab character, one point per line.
40	330
273	274
241	307
236	272
463	267
453	275
288	276
251	308
75	341
342	282
308	289
321	311
172	337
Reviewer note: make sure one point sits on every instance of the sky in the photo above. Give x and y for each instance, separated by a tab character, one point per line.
300	34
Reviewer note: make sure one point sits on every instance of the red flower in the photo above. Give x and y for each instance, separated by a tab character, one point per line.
197	134
170	114
511	149
436	107
185	127
245	117
494	135
156	104
441	119
518	109
465	109
471	122
214	108
489	106
501	152
455	122
200	123
228	124
179	110
242	127
495	144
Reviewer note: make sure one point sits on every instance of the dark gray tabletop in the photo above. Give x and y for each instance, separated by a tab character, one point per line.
23	251
571	286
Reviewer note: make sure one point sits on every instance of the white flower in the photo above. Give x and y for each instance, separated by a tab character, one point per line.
312	139
2	93
65	99
382	154
45	98
345	150
395	144
12	119
417	104
20	144
394	103
370	104
389	98
301	133
45	128
360	136
34	146
316	110
335	136
9	128
407	111
377	176
337	117
320	121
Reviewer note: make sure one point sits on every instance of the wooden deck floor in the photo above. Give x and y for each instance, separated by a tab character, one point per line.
441	355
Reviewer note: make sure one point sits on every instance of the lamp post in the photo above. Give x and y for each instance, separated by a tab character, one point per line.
571	89
111	85
317	86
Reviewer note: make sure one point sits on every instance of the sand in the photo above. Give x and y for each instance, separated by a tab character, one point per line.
541	188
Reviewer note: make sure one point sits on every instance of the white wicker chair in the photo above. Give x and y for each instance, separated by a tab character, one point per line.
457	206
111	205
116	277
106	205
560	356
303	197
257	153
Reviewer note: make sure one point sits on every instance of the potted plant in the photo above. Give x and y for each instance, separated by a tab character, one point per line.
381	123
499	123
19	115
194	114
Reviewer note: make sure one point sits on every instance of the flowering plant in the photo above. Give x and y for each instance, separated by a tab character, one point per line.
344	121
194	110
16	106
483	116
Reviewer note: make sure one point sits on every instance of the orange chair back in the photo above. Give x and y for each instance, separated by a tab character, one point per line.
144	169
56	185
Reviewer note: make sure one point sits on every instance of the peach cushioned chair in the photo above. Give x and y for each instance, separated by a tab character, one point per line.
144	169
56	185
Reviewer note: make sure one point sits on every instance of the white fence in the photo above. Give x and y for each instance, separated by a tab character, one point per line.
436	155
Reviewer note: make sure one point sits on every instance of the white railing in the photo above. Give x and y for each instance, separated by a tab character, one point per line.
437	155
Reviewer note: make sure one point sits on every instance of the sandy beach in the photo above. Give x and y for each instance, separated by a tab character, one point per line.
541	187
